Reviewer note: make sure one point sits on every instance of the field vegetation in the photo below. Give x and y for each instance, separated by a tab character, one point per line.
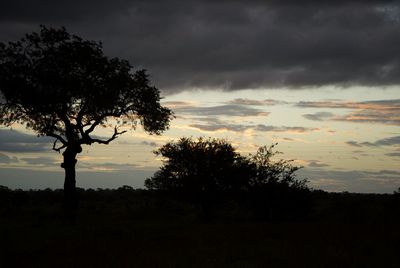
141	228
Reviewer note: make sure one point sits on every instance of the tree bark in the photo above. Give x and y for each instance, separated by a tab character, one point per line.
71	201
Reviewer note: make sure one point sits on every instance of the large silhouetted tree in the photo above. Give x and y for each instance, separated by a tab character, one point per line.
63	86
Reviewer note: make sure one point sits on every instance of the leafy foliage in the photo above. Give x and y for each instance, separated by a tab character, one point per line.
213	165
202	165
269	172
62	86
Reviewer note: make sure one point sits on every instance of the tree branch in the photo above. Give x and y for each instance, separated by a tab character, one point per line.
58	138
113	137
79	123
100	119
94	125
59	148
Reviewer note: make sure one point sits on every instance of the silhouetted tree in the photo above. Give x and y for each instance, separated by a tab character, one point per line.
271	173
203	165
62	86
213	165
275	190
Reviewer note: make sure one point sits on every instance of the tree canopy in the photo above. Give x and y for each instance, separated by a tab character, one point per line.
198	165
63	86
214	165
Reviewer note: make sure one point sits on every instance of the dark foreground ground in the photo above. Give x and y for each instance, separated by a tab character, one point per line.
127	228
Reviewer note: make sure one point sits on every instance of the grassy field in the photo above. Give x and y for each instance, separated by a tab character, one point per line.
137	229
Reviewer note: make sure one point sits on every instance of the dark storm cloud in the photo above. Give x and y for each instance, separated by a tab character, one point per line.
232	44
48	10
14	141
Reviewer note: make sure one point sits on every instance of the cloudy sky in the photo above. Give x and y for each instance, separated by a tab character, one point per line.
321	78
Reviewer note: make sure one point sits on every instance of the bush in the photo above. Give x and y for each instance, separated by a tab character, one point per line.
206	165
209	172
214	166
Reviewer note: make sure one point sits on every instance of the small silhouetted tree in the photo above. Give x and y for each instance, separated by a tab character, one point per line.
275	190
200	166
62	86
206	170
214	165
271	173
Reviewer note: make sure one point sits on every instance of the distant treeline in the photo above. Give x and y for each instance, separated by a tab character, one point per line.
139	204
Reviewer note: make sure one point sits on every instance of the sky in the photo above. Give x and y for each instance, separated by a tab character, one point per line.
320	78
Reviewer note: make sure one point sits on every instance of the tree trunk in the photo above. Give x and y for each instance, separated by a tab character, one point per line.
71	201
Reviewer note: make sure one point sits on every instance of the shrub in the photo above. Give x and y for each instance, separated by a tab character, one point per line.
213	165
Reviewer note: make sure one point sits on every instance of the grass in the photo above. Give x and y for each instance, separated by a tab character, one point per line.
135	230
